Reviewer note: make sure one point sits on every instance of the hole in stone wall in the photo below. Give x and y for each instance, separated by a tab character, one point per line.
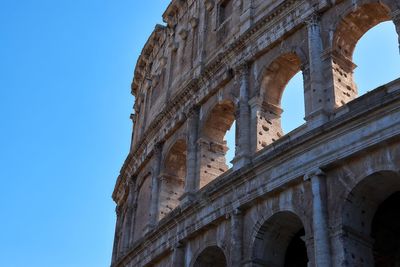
292	104
377	58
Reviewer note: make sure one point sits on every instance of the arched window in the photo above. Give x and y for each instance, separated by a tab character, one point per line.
292	104
276	77
347	35
173	178
213	143
377	58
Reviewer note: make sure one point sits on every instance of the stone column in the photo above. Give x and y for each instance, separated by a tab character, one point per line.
242	156
236	238
178	255
155	187
322	253
116	234
318	110
192	182
129	214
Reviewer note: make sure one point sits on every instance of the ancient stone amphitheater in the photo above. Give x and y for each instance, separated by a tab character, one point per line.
324	194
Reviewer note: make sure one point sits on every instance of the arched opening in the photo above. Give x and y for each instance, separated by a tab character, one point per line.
142	215
377	58
293	104
276	78
213	143
211	256
348	33
371	222
280	242
173	178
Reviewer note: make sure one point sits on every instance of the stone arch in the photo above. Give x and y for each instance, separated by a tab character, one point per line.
212	143
142	214
212	255
362	214
172	177
348	31
280	241
272	82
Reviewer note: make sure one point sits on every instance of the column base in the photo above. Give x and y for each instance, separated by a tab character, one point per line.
317	119
187	198
240	161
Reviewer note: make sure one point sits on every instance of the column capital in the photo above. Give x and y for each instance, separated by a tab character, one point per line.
243	69
314	172
158	148
193	111
313	19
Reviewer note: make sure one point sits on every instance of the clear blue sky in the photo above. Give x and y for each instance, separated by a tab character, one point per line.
65	74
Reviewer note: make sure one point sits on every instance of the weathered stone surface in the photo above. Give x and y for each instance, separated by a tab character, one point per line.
325	194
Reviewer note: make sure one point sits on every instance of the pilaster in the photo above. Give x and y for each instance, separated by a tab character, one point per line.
322	250
178	255
319	110
242	156
154	202
192	182
236	238
129	214
116	234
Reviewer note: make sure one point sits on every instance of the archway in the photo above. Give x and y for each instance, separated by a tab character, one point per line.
274	82
173	178
371	221
142	216
213	144
377	58
211	256
348	33
280	242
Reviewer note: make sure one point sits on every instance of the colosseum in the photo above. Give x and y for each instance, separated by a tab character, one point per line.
325	194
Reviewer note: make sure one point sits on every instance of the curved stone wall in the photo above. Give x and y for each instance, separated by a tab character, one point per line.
300	195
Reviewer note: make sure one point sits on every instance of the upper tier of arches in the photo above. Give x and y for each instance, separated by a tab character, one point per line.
248	93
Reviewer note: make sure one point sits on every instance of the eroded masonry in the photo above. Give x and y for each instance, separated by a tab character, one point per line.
325	194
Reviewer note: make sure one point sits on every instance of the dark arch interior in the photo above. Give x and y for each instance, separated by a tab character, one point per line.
296	253
211	257
386	232
280	242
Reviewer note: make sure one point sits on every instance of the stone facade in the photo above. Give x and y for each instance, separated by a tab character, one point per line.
325	194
